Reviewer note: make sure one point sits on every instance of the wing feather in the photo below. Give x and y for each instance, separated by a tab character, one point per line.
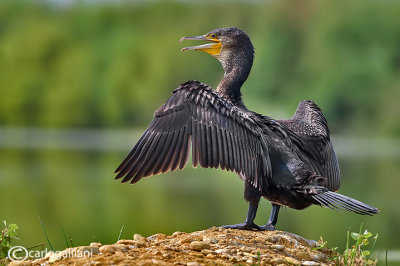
219	133
214	139
158	159
178	150
312	137
195	145
220	149
185	153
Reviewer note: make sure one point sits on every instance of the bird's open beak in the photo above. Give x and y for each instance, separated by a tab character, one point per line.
213	48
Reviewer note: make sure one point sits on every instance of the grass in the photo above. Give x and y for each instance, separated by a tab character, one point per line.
45	234
7	235
120	233
356	253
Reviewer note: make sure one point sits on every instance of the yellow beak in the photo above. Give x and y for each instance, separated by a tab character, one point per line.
210	48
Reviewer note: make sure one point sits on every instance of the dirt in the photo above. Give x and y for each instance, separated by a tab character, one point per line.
215	246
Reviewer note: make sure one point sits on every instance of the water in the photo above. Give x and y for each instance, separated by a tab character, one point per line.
66	179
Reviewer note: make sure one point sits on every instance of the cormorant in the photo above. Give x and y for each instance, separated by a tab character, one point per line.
289	162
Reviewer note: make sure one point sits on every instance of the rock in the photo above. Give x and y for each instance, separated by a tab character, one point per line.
259	239
156	253
320	257
292	261
166	255
127	242
266	256
210	240
233	259
88	251
302	255
146	256
278	260
157	237
224	256
219	251
107	249
250	255
178	233
186	240
139	238
255	252
118	257
245	249
233	250
151	262
199	245
193	264
177	249
265	261
278	247
273	239
121	247
213	246
19	263
95	244
210	256
207	251
310	263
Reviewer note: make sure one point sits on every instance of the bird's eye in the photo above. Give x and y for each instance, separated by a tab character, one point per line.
213	35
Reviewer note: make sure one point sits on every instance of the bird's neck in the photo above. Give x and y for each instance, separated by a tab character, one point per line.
234	77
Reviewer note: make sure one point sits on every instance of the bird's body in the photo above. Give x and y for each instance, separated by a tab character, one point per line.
289	162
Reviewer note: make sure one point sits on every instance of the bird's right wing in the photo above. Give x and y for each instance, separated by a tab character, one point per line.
220	135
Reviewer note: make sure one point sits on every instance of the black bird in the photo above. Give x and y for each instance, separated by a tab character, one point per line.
289	162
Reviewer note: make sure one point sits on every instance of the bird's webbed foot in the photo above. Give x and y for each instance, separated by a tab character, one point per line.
273	218
251	195
243	226
267	227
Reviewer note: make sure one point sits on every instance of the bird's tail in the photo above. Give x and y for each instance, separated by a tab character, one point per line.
341	203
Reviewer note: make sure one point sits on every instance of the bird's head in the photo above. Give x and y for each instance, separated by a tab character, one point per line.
228	45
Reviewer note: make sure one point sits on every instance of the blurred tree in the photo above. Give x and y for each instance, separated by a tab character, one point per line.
112	65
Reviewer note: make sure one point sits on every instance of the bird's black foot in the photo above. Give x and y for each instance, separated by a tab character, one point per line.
267	227
243	226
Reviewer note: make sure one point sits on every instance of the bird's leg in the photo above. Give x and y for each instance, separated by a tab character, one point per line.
273	218
252	195
249	223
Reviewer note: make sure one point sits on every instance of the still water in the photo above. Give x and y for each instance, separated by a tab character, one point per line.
72	190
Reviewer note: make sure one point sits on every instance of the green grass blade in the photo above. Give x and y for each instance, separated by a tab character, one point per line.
120	233
65	237
347	247
35	246
47	237
373	245
359	240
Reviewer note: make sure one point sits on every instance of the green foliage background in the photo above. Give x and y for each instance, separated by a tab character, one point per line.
110	65
104	64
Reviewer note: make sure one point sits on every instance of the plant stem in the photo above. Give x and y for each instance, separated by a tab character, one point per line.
120	233
47	237
65	237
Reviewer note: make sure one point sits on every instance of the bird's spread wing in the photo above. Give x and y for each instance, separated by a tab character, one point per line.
220	135
312	137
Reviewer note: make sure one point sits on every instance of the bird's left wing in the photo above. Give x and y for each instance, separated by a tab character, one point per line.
312	137
220	135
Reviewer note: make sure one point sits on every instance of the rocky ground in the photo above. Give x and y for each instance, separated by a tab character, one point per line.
215	246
